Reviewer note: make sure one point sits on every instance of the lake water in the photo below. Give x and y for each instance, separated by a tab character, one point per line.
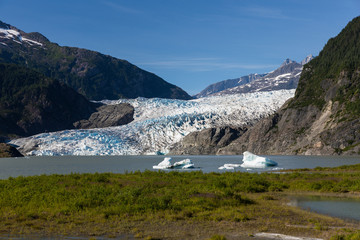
337	207
13	167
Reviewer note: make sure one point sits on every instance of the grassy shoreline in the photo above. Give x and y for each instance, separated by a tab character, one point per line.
174	205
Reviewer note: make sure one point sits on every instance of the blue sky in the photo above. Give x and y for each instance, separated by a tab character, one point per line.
190	43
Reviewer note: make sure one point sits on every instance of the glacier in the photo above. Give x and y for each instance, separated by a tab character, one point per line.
158	123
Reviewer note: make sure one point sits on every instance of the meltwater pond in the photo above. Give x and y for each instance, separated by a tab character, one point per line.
28	166
337	207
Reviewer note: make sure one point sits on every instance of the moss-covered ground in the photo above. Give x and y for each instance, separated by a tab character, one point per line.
174	205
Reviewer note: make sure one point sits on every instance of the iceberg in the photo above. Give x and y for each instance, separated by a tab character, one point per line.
184	164
251	160
166	164
229	166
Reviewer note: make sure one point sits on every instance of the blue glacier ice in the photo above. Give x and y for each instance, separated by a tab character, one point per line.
158	124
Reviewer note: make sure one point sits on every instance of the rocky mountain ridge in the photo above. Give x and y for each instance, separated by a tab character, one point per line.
226	84
92	74
285	77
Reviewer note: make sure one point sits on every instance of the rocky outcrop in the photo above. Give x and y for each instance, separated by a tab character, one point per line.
306	131
207	141
108	116
7	151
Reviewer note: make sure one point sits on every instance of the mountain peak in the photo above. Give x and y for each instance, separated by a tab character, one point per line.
307	59
36	36
286	62
4	25
12	32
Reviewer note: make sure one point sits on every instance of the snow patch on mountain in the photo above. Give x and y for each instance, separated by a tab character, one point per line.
31	42
307	59
158	123
16	37
285	77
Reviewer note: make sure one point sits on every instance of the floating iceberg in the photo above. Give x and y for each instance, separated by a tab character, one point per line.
166	164
253	161
229	166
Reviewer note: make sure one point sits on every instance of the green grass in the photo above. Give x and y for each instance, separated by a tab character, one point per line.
188	195
346	236
109	204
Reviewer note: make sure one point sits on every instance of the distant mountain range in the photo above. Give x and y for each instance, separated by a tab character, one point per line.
227	84
285	77
92	74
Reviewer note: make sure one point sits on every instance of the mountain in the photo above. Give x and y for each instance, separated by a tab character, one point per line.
207	141
32	103
324	115
8	151
158	124
285	77
230	83
90	73
307	59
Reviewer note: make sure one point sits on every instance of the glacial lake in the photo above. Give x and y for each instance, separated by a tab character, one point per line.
28	166
345	208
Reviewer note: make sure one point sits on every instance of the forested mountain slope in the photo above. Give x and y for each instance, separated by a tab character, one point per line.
94	75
